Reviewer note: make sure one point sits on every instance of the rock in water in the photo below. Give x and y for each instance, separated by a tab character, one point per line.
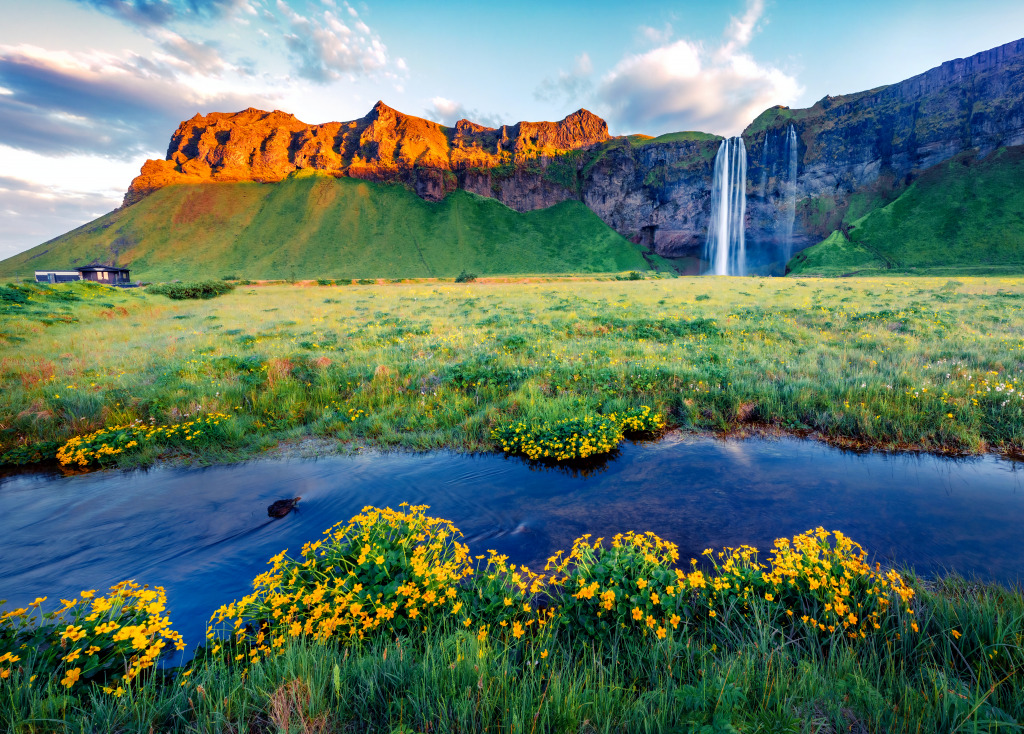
282	507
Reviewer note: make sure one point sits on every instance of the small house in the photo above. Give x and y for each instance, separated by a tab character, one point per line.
57	276
105	274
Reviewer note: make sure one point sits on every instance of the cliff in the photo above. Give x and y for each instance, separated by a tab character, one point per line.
854	153
386	146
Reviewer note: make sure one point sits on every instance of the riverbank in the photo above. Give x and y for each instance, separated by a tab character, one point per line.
609	637
894	364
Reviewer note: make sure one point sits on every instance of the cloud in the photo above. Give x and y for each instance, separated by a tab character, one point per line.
196	57
146	13
324	48
685	86
655	35
448	112
568	85
63	103
35	212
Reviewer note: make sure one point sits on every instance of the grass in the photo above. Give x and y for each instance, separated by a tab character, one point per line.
317	226
679	137
915	363
973	206
946	660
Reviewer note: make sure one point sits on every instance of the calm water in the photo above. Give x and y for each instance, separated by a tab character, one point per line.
204	533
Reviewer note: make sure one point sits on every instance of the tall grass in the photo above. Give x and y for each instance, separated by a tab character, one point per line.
924	363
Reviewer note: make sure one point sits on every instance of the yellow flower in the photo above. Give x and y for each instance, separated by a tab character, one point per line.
712	613
71	677
638	613
517	630
661	633
955	633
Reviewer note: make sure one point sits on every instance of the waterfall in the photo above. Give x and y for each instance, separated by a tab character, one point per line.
725	249
789	207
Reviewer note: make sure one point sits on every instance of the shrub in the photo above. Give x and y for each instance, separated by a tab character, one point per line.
30	454
576	438
573	438
465	277
384	572
818	585
628	589
183	291
102	445
324	281
642	421
366	281
399	572
106	640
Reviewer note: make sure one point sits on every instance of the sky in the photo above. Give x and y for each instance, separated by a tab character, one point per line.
90	89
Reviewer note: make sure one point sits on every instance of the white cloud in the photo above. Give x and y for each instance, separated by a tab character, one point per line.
686	86
655	35
448	112
569	86
103	104
43	197
323	48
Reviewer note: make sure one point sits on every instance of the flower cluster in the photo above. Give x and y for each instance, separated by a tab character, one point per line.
630	587
109	640
106	443
642	421
575	438
818	580
385	571
390	572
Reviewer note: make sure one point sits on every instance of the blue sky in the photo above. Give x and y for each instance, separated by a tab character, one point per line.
89	89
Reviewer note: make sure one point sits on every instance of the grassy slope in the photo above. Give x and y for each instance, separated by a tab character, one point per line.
962	216
316	226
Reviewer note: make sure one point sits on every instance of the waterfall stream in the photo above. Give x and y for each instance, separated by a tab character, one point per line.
725	249
789	208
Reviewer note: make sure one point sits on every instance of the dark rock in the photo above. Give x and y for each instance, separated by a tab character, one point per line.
282	507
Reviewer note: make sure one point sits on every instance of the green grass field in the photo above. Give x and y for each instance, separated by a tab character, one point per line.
925	363
311	226
961	217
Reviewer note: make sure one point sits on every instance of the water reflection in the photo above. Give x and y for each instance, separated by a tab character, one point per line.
204	533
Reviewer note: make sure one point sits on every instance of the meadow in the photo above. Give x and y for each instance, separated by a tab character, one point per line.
387	624
928	364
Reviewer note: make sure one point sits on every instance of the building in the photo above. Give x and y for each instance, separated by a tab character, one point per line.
105	274
57	276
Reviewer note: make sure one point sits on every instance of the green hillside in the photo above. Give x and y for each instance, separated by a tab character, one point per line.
965	215
315	226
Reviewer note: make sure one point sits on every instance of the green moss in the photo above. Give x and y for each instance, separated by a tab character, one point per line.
963	215
563	170
680	137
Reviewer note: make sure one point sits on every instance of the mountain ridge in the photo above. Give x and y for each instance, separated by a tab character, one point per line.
384	145
854	153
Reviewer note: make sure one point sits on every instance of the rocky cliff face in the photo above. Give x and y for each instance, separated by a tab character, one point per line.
654	191
876	142
385	146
